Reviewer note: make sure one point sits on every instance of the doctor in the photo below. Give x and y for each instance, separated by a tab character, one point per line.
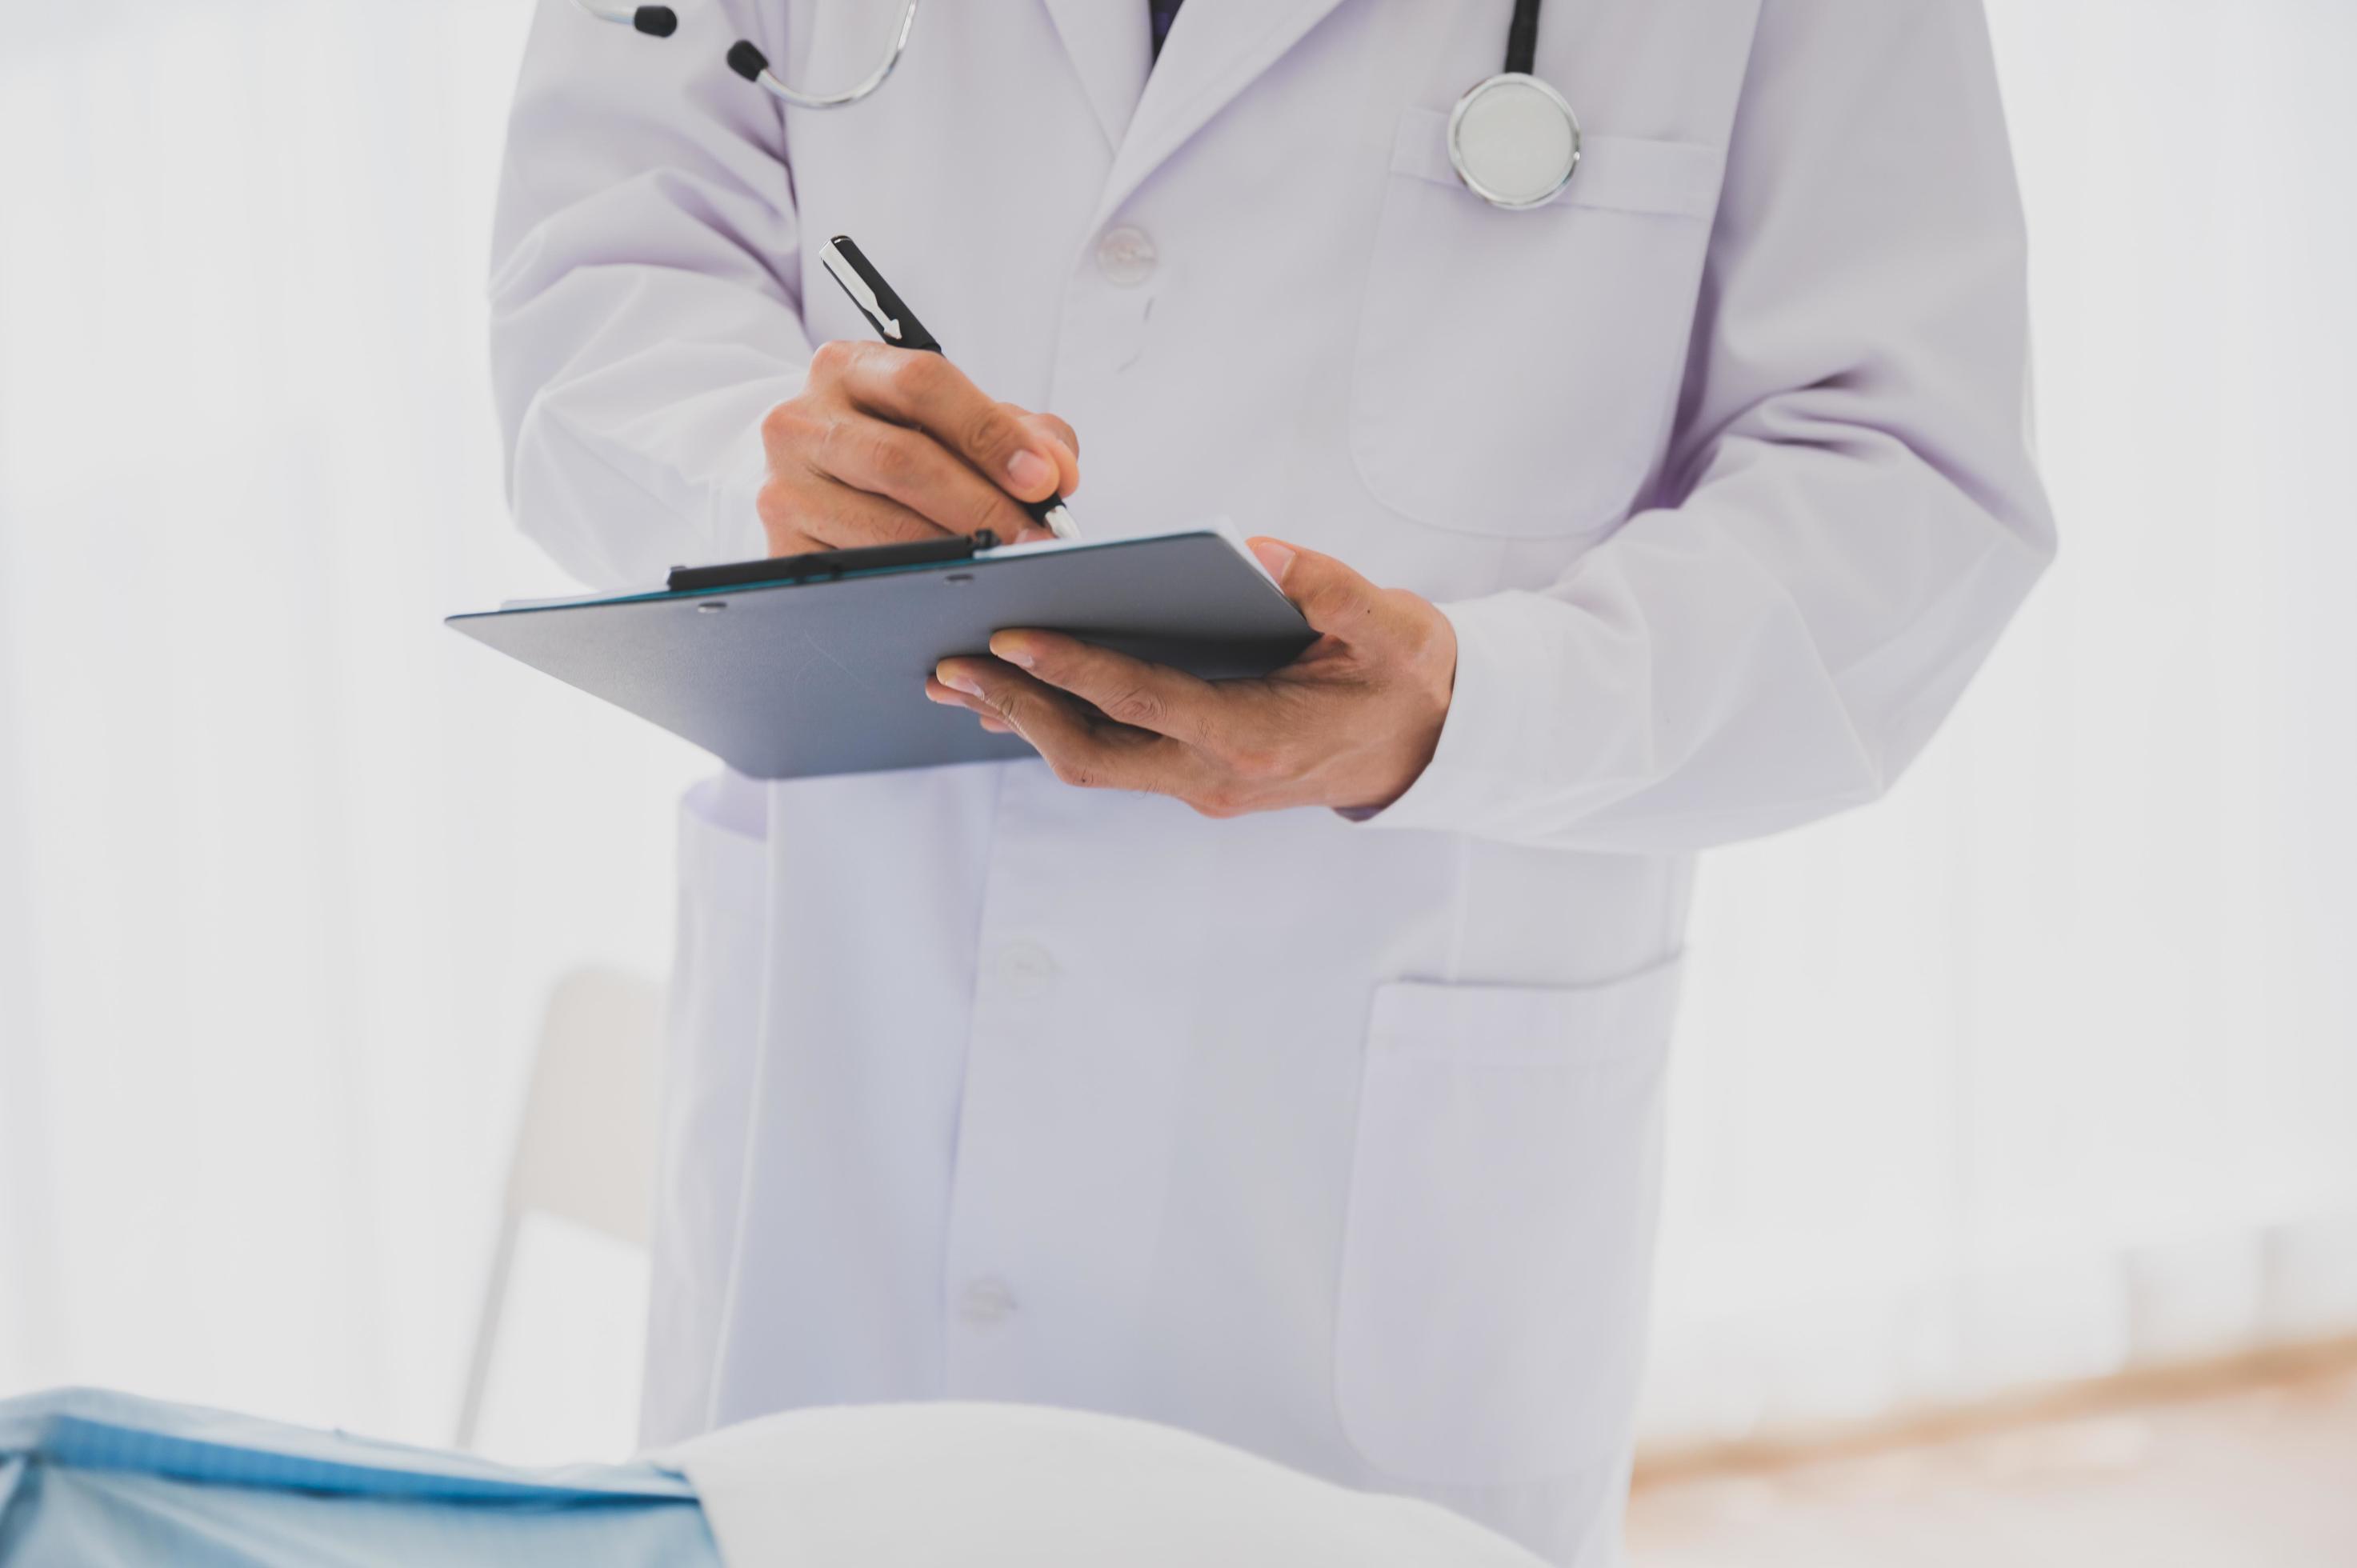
1324	1117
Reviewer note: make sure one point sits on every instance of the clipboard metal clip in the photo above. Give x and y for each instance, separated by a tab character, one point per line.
826	565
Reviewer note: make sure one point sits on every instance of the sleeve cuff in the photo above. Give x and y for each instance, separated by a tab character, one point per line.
1469	782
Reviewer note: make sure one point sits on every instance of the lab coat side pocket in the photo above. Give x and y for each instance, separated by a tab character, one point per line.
1516	372
1497	1255
712	1051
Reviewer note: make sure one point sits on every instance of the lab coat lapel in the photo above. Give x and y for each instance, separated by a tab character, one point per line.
1112	47
1216	50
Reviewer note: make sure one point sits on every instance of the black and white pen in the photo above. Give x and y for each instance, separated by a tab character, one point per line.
897	324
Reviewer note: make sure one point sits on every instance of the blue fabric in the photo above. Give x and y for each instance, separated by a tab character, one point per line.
94	1477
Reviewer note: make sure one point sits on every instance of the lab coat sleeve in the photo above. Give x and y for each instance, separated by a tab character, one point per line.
645	307
1857	509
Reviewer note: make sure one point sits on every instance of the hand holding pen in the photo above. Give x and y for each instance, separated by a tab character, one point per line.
890	443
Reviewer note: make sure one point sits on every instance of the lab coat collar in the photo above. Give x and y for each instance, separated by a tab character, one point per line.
1112	48
1218	48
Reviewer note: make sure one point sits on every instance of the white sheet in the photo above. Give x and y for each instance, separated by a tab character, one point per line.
980	1485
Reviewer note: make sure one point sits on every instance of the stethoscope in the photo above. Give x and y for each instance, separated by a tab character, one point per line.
747	59
1513	138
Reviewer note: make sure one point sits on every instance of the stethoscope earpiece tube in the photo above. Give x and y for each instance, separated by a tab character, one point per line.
747	60
750	63
654	21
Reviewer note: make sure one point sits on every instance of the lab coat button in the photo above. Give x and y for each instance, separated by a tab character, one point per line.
1028	968
986	1303
1126	256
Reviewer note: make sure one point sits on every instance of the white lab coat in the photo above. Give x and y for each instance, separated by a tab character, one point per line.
1336	1140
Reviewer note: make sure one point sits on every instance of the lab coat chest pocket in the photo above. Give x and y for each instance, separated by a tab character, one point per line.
1496	1257
1516	371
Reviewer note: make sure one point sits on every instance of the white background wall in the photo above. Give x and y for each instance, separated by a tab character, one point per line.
2048	1066
2041	1068
286	868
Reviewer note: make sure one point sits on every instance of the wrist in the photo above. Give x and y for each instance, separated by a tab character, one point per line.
1426	686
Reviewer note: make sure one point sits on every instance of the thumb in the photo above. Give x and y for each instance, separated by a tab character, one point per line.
1330	596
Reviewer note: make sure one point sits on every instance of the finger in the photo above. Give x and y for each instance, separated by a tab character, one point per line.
936	693
836	516
912	469
1038	714
1055	425
987	719
790	541
1128	690
943	694
1084	755
949	698
1068	457
1330	596
927	392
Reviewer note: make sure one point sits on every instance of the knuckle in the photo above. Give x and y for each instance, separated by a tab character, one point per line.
833	358
829	444
776	504
892	456
915	375
787	426
1253	759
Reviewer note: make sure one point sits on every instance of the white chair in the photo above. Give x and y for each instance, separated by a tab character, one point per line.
586	1148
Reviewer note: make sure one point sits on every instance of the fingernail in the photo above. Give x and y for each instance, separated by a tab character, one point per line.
1029	471
1012	650
957	681
1274	556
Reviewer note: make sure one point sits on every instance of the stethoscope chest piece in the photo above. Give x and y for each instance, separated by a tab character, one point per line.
1514	141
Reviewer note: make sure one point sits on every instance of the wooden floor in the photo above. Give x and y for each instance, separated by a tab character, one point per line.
2260	1476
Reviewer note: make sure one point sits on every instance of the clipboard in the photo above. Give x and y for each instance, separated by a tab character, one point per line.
815	665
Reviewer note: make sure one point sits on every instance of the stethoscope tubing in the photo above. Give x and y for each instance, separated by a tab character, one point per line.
1522	39
746	61
1519	77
